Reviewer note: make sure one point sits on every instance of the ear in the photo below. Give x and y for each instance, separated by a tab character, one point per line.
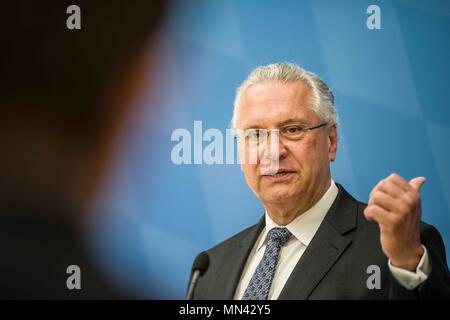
332	142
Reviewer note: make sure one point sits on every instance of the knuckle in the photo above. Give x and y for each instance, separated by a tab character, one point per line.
396	220
411	200
382	184
376	195
371	211
404	208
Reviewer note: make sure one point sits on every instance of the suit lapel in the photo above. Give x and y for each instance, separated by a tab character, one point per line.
237	259
324	250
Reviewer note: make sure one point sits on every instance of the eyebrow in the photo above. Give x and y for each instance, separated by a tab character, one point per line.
292	121
282	123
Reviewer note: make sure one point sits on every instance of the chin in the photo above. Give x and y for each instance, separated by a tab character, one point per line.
279	196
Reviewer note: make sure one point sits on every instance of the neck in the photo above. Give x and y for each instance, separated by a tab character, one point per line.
284	213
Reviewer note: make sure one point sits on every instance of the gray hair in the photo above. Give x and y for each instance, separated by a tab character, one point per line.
322	99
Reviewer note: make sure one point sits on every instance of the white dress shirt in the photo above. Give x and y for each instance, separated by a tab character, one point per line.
303	229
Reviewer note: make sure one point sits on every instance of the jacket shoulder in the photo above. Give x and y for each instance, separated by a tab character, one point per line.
233	240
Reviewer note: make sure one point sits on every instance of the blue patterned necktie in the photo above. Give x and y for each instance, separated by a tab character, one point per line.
261	281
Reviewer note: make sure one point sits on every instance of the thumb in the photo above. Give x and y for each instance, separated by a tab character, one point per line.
417	183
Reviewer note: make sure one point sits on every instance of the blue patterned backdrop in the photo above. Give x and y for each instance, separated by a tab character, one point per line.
391	92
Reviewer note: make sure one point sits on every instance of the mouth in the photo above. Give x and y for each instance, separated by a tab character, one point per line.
277	174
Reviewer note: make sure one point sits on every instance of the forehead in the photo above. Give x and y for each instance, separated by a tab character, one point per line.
269	103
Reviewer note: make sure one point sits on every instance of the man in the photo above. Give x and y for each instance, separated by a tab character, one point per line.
63	96
315	241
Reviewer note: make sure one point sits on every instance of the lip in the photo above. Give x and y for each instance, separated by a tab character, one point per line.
272	178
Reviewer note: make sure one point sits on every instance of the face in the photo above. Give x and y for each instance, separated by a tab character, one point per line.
303	165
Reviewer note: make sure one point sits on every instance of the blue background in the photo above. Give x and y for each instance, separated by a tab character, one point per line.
152	217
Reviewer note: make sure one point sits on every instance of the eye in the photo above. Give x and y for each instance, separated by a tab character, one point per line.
252	134
291	130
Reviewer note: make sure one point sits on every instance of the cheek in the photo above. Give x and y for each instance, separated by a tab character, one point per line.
241	154
309	155
303	154
249	172
249	157
245	157
319	157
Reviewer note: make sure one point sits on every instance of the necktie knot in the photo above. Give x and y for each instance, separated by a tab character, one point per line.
279	236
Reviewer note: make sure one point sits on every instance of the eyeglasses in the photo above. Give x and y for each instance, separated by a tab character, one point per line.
293	132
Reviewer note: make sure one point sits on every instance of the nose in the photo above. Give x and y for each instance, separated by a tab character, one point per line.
273	150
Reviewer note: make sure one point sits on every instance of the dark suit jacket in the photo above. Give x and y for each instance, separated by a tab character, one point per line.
334	265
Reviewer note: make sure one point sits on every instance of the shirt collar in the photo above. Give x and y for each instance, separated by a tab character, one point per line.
305	226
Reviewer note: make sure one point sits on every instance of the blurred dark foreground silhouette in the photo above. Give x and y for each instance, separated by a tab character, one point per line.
63	94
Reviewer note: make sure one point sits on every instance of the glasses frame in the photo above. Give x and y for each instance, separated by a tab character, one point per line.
279	129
